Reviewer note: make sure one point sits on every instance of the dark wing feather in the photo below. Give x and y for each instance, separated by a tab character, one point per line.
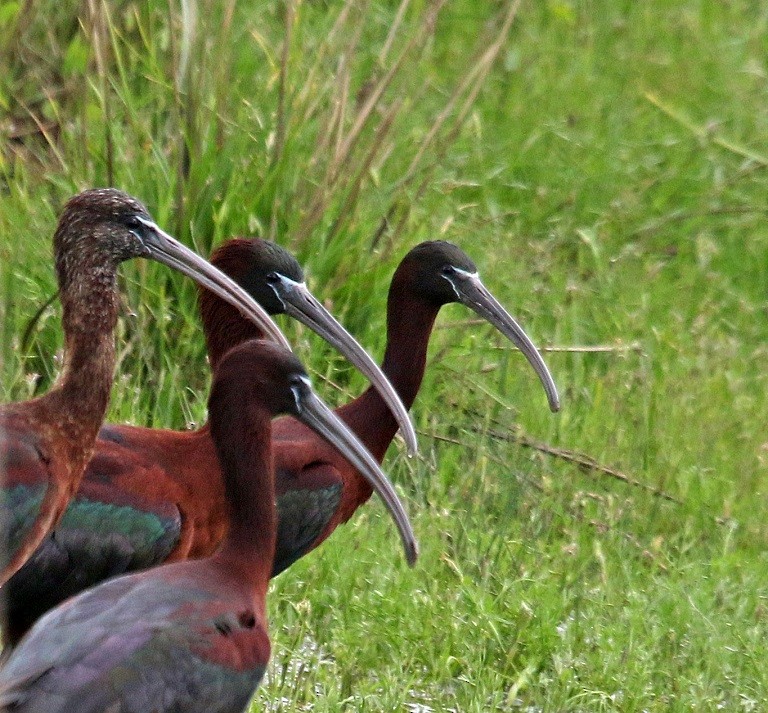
302	517
103	533
24	466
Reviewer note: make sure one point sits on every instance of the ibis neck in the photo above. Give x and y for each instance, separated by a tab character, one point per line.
224	327
81	394
245	452
410	319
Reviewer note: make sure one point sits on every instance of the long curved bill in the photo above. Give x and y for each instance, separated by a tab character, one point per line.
301	304
315	414
473	293
169	251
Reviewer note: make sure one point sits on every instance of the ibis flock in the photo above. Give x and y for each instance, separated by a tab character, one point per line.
136	561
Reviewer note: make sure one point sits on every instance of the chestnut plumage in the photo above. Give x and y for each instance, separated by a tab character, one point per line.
192	635
46	442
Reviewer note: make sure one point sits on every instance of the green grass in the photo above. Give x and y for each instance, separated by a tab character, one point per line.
610	181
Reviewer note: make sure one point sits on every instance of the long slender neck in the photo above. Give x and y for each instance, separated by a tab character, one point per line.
410	319
245	453
80	396
224	327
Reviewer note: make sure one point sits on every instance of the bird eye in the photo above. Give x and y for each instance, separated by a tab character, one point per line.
448	270
135	225
273	278
299	381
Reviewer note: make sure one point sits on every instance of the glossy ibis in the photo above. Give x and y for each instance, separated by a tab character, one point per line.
143	503
191	636
316	491
161	497
273	277
46	442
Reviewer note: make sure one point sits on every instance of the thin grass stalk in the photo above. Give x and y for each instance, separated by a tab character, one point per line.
327	131
192	74
176	65
305	94
347	144
393	31
97	18
222	81
16	34
350	202
44	131
290	16
188	27
319	200
343	100
342	19
477	73
703	133
481	67
427	28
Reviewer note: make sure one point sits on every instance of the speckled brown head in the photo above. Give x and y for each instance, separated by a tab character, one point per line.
101	227
98	229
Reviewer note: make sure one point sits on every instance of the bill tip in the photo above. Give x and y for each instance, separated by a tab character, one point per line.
412	552
411	443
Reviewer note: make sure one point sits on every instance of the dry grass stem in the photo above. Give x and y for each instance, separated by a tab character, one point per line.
393	31
704	133
290	15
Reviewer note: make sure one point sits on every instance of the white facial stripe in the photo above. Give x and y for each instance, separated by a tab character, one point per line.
296	398
462	274
470	275
289	291
305	380
296	391
291	282
157	230
277	287
148	223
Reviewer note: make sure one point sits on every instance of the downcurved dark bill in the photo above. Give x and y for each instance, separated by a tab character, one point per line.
315	414
301	304
472	293
169	251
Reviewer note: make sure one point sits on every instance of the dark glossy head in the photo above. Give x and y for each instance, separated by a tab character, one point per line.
275	280
429	267
440	273
256	264
258	372
261	375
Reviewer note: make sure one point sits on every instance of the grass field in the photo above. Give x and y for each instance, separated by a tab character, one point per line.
606	165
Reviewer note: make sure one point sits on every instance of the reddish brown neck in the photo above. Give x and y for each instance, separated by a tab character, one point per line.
80	396
224	327
245	454
410	319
